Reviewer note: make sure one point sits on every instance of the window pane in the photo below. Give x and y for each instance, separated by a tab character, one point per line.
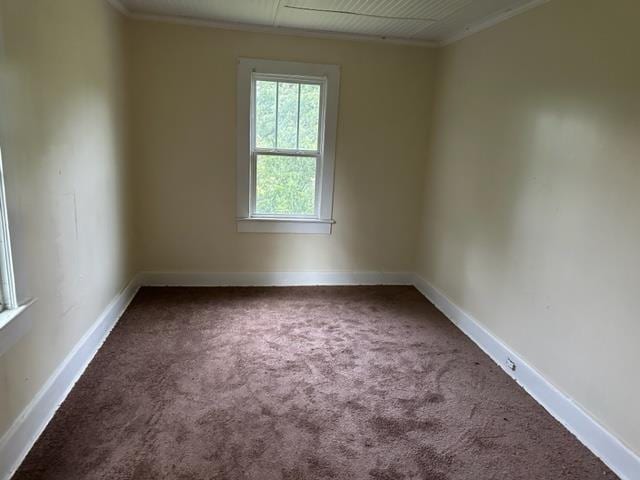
309	117
287	115
266	114
285	185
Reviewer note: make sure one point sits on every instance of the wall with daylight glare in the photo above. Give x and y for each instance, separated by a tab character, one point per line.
532	191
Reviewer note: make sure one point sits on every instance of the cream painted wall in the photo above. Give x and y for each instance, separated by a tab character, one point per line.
528	197
183	85
63	139
532	192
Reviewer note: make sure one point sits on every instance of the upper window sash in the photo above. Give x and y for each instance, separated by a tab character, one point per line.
302	79
321	81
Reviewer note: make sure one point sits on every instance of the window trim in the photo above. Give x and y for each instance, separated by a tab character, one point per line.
246	220
8	298
10	309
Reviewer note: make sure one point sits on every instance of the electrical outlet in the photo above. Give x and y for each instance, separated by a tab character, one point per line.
511	365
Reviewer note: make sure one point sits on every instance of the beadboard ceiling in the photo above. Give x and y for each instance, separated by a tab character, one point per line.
411	21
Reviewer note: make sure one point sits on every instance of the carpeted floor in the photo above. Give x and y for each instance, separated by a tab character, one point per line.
299	383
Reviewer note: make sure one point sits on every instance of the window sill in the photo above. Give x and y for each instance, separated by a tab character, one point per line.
9	314
284	225
10	330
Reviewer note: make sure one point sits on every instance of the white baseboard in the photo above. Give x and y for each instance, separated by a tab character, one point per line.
18	440
265	279
594	436
23	433
25	430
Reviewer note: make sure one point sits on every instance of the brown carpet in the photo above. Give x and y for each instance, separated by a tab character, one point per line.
299	383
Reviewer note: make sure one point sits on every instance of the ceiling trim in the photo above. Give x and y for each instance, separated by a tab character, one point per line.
247	27
119	6
490	22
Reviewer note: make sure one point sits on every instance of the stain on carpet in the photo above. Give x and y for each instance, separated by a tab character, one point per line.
304	383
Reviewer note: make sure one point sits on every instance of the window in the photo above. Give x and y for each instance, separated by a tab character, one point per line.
8	303
287	116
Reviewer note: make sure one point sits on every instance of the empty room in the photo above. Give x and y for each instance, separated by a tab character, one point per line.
319	239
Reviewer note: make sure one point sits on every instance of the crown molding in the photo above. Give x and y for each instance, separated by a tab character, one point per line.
119	6
490	22
246	27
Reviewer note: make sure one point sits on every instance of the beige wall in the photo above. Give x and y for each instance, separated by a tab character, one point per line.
62	139
184	117
532	196
531	186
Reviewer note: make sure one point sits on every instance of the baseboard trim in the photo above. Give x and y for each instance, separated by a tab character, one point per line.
594	436
18	440
25	430
271	279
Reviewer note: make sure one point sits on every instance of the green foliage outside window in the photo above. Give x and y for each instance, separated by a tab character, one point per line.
287	116
285	185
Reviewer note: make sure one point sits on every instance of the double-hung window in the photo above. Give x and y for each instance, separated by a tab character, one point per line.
287	116
9	307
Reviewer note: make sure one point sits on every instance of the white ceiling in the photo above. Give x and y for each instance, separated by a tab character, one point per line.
420	21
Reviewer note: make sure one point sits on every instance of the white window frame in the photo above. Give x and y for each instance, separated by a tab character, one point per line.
328	77
9	307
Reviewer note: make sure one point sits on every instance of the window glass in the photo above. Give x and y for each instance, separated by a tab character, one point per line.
287	115
287	129
285	185
265	114
309	117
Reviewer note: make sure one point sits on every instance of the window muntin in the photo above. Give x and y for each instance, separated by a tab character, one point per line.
286	137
